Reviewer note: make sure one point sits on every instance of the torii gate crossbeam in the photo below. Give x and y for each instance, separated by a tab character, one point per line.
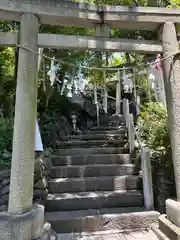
69	13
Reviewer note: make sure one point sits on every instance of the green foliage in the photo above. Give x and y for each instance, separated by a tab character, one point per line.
154	132
6	134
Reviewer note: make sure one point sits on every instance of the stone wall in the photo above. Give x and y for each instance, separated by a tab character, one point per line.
163	186
42	167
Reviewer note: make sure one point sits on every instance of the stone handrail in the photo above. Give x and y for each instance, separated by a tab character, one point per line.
145	157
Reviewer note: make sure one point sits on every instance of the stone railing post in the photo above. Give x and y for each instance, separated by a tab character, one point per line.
147	179
96	102
105	99
126	110
131	133
118	95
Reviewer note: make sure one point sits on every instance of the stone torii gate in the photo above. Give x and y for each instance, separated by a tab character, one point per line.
23	219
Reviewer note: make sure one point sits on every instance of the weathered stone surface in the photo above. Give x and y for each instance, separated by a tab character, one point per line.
163	185
92	170
47	233
171	69
22	164
22	226
40	182
173	211
93	184
38	221
94	200
106	219
168	228
110	235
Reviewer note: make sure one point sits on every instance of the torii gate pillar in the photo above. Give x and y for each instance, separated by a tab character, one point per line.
24	221
169	224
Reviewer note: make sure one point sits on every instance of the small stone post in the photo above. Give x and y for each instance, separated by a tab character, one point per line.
23	156
171	72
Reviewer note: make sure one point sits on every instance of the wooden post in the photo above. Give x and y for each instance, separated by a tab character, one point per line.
171	72
23	156
147	179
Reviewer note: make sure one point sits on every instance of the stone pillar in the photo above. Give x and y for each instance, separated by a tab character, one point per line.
105	99
24	221
171	72
22	169
118	95
169	224
96	102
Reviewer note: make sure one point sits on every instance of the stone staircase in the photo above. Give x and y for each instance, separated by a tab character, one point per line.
94	185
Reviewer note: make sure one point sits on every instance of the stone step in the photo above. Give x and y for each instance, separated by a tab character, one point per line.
114	234
107	132
90	143
130	218
75	171
102	136
92	220
105	128
91	159
92	150
93	200
90	184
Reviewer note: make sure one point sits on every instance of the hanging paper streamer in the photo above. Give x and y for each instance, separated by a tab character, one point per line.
82	81
65	82
52	72
127	82
69	91
38	140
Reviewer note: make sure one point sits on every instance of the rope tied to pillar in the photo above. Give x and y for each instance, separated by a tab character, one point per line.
105	68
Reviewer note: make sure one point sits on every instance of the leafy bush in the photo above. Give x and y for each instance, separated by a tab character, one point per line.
153	130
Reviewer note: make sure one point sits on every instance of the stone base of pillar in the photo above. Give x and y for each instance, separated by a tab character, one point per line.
169	223
25	226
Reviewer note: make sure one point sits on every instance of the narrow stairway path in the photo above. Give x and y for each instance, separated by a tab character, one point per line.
94	185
